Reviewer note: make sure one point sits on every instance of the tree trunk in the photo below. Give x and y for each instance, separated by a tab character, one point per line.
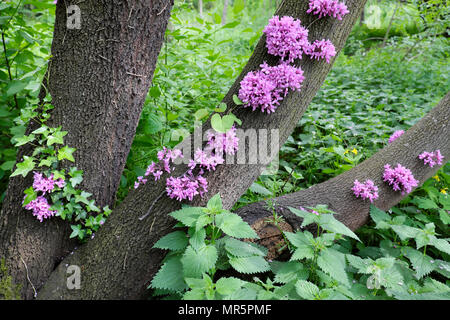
119	262
224	12
99	76
200	8
431	133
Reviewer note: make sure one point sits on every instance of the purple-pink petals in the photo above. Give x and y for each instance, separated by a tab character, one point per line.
330	8
322	49
265	88
41	208
223	142
286	38
400	178
395	135
366	190
431	158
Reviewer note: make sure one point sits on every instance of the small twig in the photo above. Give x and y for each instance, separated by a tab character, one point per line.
136	75
162	9
104	58
26	268
151	227
151	206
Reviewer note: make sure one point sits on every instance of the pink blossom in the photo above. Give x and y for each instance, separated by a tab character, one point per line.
41	208
322	49
400	178
366	190
431	158
330	8
223	142
395	135
286	38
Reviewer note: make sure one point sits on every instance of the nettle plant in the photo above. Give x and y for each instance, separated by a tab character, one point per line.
54	192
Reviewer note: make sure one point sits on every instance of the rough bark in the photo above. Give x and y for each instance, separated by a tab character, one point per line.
431	133
119	263
99	76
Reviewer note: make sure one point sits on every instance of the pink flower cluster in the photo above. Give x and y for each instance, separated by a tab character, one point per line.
41	208
400	178
395	135
286	38
322	49
312	211
332	8
41	183
265	88
431	158
40	205
166	156
366	190
190	184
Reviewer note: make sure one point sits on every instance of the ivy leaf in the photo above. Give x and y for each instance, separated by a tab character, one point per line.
253	264
56	137
176	240
24	140
66	153
196	262
30	196
24	167
47	162
234	226
77	231
169	276
76	176
307	290
42	130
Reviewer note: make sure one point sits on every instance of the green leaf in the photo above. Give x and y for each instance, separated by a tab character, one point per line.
302	242
215	203
421	263
226	286
15	86
42	130
47	162
197	239
7	165
200	114
234	226
307	290
188	215
76	176
443	215
169	276
24	140
221	108
66	153
378	215
441	244
195	263
236	100
216	123
30	195
405	232
152	124
253	264
239	248
259	189
332	262
238	6
56	137
291	271
329	222
24	167
425	203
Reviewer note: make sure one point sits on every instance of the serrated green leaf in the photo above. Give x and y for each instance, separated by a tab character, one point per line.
332	262
195	263
253	264
169	276
176	240
226	286
307	290
215	203
329	222
421	263
188	215
441	244
234	226
405	232
197	239
242	249
291	271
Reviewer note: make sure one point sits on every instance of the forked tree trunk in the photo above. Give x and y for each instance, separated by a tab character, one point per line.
99	76
431	133
120	262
